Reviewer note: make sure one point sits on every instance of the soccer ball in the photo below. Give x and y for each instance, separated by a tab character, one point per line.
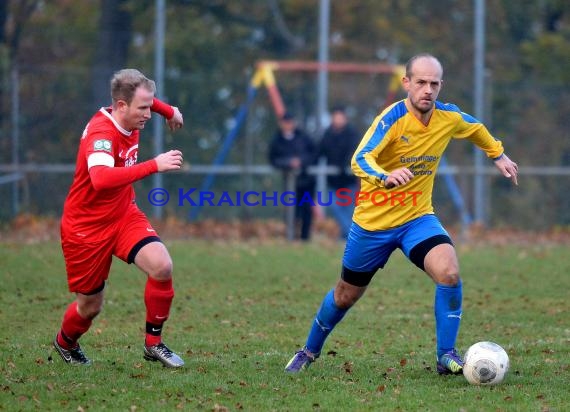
486	363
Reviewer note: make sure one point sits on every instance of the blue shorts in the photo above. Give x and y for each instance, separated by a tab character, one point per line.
368	251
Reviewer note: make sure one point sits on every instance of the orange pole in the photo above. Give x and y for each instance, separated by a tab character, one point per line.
276	100
268	79
339	67
265	69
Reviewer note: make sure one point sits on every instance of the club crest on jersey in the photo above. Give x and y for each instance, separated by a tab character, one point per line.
102	145
130	161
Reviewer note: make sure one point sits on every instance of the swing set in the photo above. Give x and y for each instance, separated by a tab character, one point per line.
264	76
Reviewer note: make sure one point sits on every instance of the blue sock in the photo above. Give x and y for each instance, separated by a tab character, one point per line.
447	308
327	317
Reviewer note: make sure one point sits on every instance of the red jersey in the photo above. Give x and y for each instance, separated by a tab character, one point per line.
90	212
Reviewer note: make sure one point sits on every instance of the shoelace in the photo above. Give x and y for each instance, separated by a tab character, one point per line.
303	357
78	354
163	349
451	358
456	355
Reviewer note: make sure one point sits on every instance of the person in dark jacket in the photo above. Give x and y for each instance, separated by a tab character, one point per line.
337	146
292	151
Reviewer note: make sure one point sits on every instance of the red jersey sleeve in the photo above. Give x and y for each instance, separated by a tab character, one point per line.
99	143
162	108
105	177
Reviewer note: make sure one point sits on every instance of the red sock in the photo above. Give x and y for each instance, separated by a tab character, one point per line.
158	299
72	327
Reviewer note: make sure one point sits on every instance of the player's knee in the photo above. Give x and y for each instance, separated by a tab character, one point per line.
449	277
90	310
90	304
346	295
92	314
162	269
345	301
450	273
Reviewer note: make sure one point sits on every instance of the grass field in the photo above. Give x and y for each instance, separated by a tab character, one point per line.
242	309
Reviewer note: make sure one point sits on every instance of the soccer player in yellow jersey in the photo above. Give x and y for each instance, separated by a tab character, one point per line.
396	161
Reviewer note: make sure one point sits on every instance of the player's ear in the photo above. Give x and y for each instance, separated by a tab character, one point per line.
405	83
121	105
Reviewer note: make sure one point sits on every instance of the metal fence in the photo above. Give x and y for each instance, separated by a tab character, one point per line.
541	201
36	168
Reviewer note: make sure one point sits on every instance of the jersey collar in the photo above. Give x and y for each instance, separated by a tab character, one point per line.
117	125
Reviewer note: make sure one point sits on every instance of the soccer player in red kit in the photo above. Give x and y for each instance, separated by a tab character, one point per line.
101	219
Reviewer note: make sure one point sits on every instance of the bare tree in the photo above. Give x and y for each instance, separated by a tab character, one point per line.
13	18
270	19
296	42
115	30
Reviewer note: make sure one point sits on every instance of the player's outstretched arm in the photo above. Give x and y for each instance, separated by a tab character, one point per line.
398	177
171	160
106	177
508	168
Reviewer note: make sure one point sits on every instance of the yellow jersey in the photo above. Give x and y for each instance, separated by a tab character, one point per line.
398	139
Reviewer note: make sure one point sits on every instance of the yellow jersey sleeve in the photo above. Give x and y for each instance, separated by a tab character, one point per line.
473	130
379	135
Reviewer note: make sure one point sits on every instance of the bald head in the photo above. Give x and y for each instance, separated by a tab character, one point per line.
422	61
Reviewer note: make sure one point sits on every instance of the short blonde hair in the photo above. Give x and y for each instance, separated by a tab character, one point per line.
125	82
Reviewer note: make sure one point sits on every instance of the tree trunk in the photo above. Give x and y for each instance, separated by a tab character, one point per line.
115	28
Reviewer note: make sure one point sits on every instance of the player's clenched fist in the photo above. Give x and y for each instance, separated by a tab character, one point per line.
398	177
171	160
